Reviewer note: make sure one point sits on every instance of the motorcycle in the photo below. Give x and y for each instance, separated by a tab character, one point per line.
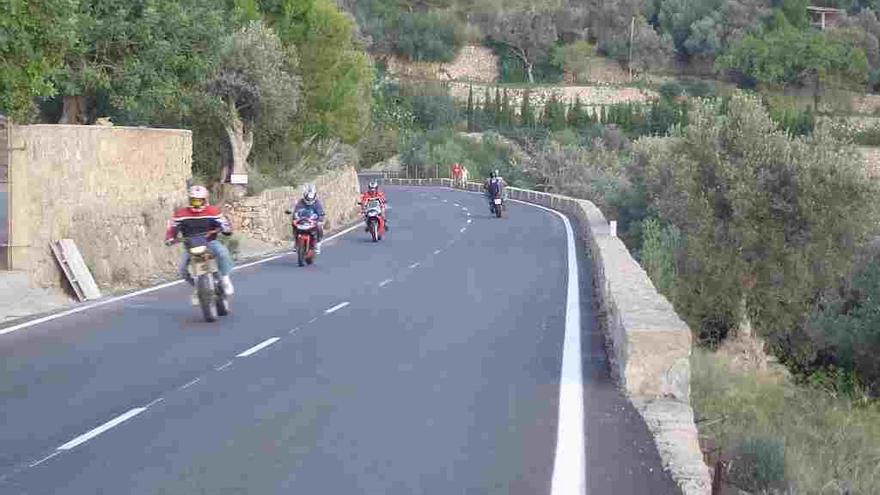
497	205
205	272
375	219
305	224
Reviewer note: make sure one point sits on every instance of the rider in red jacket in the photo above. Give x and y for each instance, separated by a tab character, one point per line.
373	192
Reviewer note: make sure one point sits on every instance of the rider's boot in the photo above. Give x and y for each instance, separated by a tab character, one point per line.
228	289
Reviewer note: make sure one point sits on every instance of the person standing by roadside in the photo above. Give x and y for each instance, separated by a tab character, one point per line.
456	173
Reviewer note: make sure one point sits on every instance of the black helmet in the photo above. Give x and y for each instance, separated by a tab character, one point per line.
493	174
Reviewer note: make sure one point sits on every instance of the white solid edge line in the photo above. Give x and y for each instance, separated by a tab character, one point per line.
80	309
569	462
154	402
85	437
336	308
261	345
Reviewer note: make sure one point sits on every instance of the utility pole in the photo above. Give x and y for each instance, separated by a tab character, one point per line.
632	25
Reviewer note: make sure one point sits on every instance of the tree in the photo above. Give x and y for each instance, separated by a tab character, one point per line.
650	51
255	85
575	59
146	57
336	73
470	109
34	37
787	56
527	113
429	36
528	34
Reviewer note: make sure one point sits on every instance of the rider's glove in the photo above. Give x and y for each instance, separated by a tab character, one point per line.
169	242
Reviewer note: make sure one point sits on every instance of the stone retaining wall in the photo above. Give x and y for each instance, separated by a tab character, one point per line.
262	216
650	344
110	189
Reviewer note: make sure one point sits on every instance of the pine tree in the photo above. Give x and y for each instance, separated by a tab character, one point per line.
527	114
576	114
506	112
470	109
488	113
498	116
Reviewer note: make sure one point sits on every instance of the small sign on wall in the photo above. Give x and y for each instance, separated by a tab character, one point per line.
238	179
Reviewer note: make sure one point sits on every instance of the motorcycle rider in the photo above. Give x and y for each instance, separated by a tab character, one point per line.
373	192
310	201
197	218
494	185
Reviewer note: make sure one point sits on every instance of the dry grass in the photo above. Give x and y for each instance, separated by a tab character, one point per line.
831	444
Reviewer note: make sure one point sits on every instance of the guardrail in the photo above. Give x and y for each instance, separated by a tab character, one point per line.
650	344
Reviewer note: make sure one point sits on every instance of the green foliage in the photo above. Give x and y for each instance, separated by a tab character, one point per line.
846	327
437	149
759	464
788	56
34	37
429	37
336	74
768	221
795	121
661	244
256	81
148	58
575	58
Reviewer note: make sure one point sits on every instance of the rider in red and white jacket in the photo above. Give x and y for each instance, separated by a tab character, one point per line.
373	192
198	218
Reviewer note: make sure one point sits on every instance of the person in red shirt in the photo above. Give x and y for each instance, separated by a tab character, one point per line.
373	192
198	218
456	173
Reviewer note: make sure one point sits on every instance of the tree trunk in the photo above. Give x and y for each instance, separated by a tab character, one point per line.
76	110
240	141
529	71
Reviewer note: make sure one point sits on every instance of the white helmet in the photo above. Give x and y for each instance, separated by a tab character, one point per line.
198	197
310	194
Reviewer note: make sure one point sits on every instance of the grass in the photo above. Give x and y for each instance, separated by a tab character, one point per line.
827	444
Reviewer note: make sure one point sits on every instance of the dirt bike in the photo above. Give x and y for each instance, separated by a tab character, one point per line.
497	205
305	225
203	268
375	219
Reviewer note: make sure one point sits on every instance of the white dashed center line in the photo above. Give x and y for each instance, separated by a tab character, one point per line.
469	220
414	265
438	251
154	402
337	307
456	204
293	331
190	384
313	320
85	437
221	368
258	347
463	229
385	282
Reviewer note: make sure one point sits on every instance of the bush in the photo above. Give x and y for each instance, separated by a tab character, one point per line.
429	37
671	89
759	464
575	58
846	330
661	245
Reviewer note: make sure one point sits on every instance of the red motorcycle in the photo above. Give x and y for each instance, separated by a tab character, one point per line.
305	226
375	219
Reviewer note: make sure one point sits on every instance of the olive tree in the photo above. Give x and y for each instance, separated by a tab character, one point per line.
255	86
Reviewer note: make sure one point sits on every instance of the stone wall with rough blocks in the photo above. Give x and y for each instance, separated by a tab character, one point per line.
262	216
110	189
473	63
650	344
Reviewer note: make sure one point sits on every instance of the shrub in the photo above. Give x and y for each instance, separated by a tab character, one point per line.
429	36
759	464
575	58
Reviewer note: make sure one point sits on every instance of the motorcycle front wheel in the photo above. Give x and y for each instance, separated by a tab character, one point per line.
301	248
205	286
374	230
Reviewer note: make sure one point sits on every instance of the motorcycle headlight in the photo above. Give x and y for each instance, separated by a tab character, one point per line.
198	250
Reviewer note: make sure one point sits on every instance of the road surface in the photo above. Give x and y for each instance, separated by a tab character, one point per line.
426	363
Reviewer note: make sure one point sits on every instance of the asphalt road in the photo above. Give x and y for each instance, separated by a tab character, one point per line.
426	363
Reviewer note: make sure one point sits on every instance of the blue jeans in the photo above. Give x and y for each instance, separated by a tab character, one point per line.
224	260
